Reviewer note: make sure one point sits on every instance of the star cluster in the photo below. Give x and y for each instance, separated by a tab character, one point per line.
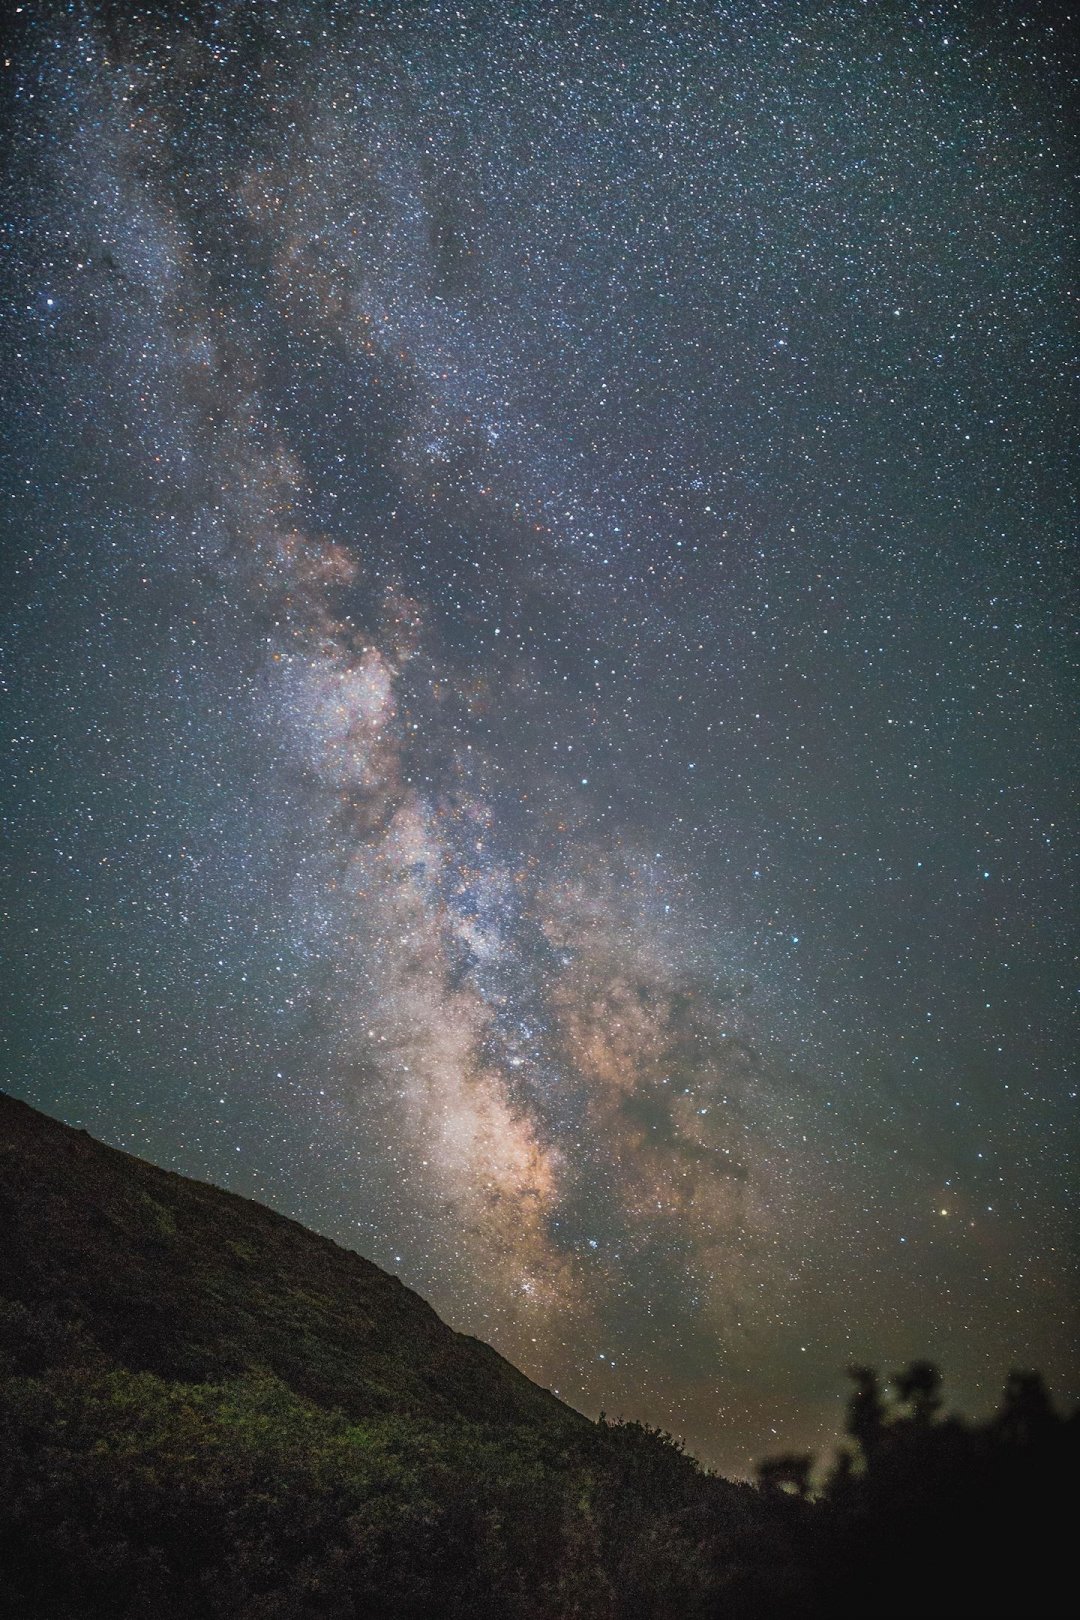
536	670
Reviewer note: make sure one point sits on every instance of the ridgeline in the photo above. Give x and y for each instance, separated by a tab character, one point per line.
208	1411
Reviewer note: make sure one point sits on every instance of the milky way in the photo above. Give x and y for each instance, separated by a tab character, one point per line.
536	679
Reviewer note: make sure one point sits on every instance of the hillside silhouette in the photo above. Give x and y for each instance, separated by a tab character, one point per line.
208	1411
181	1279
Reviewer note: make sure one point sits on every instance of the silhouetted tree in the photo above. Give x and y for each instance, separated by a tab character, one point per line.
919	1389
788	1472
1027	1415
866	1411
945	1516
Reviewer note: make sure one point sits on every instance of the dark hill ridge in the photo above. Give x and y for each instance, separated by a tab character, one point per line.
209	1413
181	1279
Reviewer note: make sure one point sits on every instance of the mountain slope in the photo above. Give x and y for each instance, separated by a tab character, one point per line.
208	1411
181	1279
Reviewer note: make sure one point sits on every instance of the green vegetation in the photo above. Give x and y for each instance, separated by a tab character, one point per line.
206	1411
124	1494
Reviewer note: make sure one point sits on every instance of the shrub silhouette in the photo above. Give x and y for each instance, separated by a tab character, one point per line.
932	1515
789	1472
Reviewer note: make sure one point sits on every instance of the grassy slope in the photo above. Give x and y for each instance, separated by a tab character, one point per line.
208	1411
179	1278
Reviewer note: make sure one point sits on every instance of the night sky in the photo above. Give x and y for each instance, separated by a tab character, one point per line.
537	700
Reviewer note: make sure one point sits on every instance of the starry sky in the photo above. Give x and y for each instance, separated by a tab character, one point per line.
536	685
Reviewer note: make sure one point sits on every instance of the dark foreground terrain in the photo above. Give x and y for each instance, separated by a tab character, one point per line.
207	1411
